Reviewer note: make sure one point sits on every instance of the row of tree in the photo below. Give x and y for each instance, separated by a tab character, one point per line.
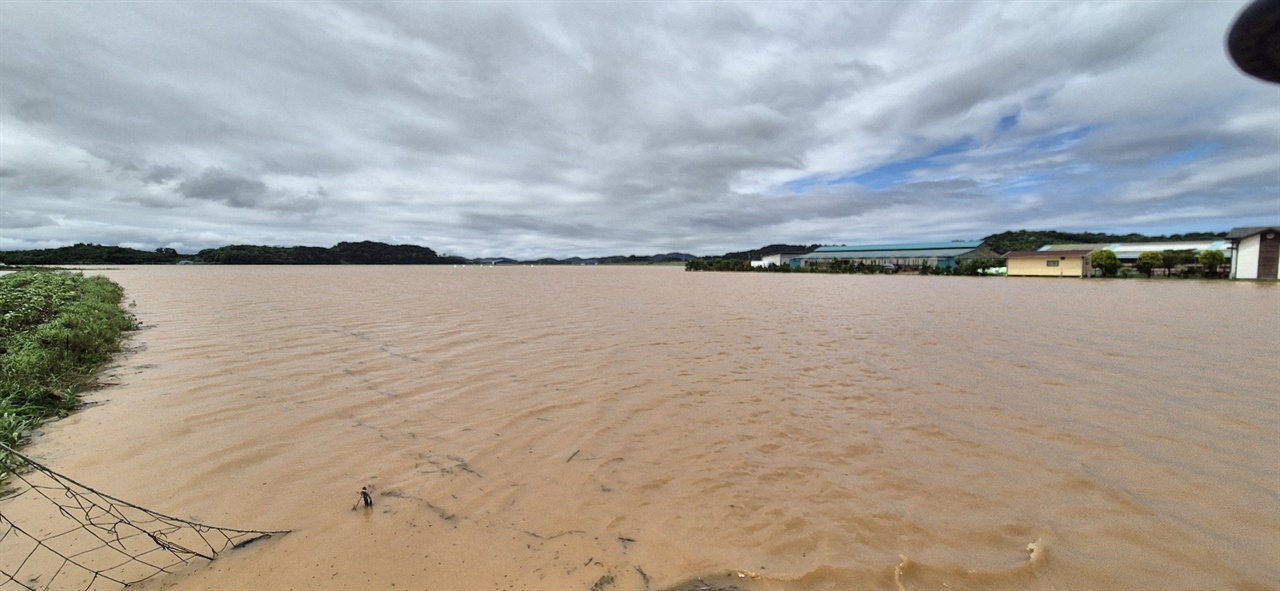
343	253
1209	262
91	254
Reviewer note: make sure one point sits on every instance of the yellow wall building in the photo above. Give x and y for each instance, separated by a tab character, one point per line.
1049	263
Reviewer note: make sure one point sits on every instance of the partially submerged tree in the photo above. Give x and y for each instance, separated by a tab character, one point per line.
1212	259
1177	258
1149	261
1105	261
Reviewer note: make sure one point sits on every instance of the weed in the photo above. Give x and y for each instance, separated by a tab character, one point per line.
56	330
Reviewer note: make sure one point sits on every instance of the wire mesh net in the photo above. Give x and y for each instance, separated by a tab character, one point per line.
86	539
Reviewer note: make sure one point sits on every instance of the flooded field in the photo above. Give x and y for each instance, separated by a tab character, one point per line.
646	428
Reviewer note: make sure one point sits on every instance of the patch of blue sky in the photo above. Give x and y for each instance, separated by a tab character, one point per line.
802	186
1195	153
1061	140
917	168
1007	122
1022	185
1072	182
901	171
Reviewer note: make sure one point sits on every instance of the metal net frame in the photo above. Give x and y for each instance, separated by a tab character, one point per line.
92	540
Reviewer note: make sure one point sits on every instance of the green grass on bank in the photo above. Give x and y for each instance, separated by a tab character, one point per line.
56	330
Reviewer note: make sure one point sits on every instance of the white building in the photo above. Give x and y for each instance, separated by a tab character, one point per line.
782	258
1257	252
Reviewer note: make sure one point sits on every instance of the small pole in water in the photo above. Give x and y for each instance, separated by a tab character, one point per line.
365	498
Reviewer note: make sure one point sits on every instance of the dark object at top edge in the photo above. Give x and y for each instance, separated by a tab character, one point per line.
1254	40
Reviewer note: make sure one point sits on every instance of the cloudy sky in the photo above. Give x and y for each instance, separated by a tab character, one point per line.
592	128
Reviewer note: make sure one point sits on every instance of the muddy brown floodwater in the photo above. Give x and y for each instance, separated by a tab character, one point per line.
647	428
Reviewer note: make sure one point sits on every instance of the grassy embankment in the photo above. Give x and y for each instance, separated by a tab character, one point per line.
56	330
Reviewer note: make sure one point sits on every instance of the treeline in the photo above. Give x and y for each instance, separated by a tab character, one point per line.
344	253
632	259
91	254
636	259
772	249
1184	263
1034	239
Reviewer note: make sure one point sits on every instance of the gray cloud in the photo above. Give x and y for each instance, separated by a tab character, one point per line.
158	174
16	220
219	185
569	128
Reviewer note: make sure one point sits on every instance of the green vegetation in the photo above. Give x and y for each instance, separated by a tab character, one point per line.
772	249
1211	260
1170	259
630	259
1185	263
719	264
243	254
1148	261
56	329
965	267
1034	239
91	254
1105	261
344	253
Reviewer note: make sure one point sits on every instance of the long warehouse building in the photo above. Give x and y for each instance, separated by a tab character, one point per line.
915	255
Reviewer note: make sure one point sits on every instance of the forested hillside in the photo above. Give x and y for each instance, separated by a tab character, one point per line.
772	249
91	254
344	253
1034	239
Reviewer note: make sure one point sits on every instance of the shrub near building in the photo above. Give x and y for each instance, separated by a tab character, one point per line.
1149	261
1105	261
1211	260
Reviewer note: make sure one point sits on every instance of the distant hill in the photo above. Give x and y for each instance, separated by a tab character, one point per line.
671	257
772	249
631	259
576	261
1034	239
92	254
343	253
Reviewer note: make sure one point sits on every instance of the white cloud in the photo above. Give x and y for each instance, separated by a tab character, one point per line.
569	128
